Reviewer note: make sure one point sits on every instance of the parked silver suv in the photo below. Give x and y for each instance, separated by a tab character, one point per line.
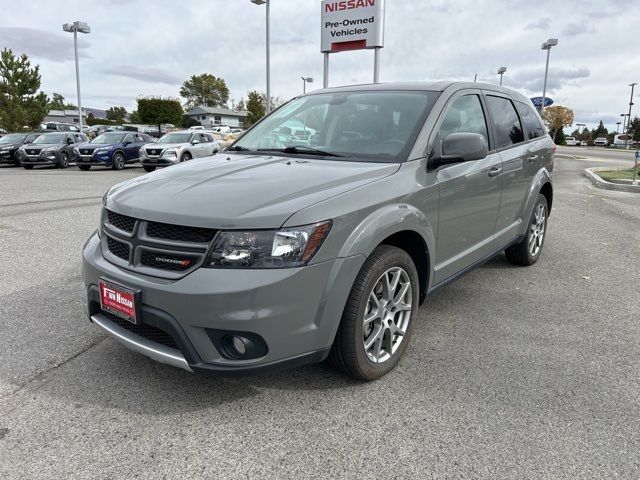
284	251
176	147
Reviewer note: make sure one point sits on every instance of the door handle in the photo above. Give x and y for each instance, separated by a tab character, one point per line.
495	171
532	158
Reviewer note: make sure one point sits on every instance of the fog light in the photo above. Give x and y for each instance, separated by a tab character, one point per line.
239	345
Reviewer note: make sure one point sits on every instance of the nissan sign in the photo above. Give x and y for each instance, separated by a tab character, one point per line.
352	25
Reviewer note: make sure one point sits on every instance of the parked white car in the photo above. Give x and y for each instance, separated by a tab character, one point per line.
176	147
601	142
571	141
196	127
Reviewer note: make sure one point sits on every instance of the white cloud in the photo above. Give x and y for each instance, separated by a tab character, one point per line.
148	47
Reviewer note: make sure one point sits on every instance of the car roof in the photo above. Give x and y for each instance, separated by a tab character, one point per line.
439	86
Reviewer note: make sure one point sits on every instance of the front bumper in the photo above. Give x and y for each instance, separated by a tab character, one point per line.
295	311
40	159
158	161
103	159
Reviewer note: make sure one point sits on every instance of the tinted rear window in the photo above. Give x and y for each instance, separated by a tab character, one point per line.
530	122
505	120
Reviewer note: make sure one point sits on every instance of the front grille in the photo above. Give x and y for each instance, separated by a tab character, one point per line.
33	151
146	331
180	233
119	249
86	151
122	222
164	261
154	151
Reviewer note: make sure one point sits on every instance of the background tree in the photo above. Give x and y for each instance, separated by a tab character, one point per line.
557	117
206	90
600	131
241	106
255	108
134	117
21	105
188	121
117	114
634	128
57	103
157	110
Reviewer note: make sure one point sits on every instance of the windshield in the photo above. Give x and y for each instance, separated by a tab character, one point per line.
374	125
51	138
12	138
109	138
175	138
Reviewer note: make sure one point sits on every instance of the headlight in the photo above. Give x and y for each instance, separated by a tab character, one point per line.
169	153
290	247
101	150
76	151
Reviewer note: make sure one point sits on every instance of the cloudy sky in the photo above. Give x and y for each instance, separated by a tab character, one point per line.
149	47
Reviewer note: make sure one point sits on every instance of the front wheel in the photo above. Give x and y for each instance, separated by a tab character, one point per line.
379	316
148	168
27	167
64	160
529	249
185	157
84	168
118	161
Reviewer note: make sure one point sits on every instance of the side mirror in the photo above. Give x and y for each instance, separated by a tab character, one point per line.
126	144
458	148
195	142
69	141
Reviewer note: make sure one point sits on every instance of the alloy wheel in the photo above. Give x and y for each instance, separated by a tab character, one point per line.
536	230
387	315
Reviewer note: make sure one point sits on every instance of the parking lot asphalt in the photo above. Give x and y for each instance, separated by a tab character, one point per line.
512	373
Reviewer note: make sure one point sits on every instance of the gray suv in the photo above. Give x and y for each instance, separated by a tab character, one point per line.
176	147
284	250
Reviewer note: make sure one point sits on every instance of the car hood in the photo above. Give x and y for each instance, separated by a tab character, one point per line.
240	191
43	145
6	146
163	146
94	146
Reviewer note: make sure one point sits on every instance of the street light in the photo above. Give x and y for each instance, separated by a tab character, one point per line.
632	85
580	125
305	80
552	42
501	71
618	127
263	2
76	27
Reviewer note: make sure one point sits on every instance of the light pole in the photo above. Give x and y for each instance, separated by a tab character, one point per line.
501	71
624	122
268	41
632	85
76	27
580	125
552	42
305	80
618	127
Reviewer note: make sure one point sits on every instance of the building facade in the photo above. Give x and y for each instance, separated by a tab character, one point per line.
212	116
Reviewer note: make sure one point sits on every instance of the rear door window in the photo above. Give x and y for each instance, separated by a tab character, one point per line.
530	122
505	120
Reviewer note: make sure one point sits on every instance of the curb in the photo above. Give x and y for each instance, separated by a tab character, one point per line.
591	174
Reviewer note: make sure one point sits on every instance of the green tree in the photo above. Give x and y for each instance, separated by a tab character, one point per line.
206	90
57	102
188	121
557	118
117	114
21	105
134	117
255	108
600	131
634	128
157	110
560	138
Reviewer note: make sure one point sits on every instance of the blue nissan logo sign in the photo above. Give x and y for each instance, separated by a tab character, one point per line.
537	101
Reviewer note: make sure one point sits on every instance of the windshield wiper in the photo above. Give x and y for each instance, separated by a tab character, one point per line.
238	148
304	150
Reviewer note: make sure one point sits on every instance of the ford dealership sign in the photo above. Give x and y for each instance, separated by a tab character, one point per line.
537	102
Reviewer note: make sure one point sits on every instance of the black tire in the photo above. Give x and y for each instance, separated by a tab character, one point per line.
186	156
148	168
348	349
84	168
521	253
118	161
64	160
27	167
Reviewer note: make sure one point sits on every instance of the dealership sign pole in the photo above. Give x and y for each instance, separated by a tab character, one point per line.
352	25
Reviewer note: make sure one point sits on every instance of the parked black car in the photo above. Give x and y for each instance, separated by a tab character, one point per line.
11	142
50	149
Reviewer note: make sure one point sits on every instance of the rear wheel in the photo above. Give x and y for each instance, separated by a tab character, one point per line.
118	161
379	316
148	168
529	249
84	167
64	160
